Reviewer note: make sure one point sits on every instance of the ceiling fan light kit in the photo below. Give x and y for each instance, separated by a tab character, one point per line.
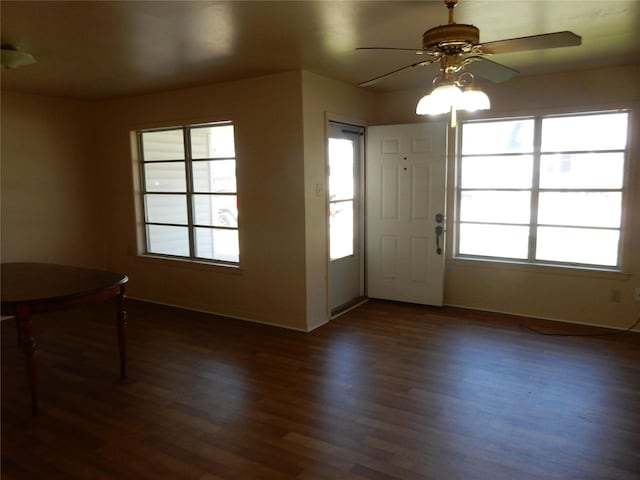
452	94
456	46
475	99
441	100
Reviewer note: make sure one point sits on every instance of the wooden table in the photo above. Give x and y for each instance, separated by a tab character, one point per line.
30	288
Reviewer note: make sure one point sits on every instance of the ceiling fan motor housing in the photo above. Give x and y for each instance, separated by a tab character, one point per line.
453	39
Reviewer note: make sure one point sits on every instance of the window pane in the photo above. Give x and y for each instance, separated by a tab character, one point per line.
340	229
215	210
163	145
494	240
514	171
578	245
494	206
588	170
168	240
213	142
166	209
585	132
165	177
510	136
340	169
214	176
216	244
586	209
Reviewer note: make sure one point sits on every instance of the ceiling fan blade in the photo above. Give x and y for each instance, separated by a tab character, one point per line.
407	67
414	50
534	42
485	68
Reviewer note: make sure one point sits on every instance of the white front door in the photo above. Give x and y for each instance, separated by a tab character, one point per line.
346	216
406	193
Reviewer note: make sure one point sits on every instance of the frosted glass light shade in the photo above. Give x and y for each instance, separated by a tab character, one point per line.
473	99
441	100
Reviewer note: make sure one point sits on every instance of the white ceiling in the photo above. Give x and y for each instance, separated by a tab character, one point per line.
104	49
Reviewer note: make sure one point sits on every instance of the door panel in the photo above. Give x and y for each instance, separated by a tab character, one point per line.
390	192
406	175
389	256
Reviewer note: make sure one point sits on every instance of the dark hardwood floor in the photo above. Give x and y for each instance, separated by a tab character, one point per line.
387	391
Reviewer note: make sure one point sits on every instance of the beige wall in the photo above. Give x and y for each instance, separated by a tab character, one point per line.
48	211
323	99
280	139
267	114
548	292
68	195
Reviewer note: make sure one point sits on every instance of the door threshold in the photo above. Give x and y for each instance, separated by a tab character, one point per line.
347	307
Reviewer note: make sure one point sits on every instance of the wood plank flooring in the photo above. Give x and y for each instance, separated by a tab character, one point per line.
386	391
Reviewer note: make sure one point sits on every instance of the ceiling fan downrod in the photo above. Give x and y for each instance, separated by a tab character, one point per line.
451	4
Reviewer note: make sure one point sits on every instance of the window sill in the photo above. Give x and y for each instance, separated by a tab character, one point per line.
537	268
191	264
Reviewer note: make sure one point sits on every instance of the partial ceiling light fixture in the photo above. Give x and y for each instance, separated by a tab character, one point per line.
452	92
11	58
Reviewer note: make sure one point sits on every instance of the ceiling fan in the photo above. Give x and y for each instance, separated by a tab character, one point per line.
457	45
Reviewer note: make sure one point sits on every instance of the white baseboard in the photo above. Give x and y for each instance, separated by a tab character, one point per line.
560	320
209	312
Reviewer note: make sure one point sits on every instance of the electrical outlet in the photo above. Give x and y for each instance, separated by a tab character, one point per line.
636	296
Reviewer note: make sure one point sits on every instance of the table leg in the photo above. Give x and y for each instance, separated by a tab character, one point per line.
29	348
18	333
122	332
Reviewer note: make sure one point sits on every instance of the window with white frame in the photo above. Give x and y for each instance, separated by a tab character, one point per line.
189	192
543	189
